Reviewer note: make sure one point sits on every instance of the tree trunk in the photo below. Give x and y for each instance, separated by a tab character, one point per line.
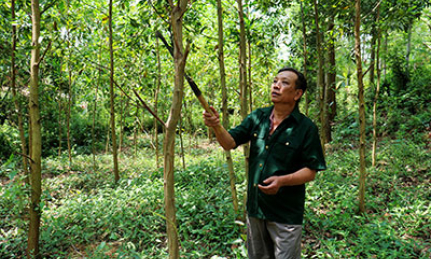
135	131
376	96
305	53
15	98
36	139
320	79
180	56
60	130
69	99
373	50
242	62
156	100
331	103
243	82
225	113
120	144
111	93
182	155
93	128
409	47
362	173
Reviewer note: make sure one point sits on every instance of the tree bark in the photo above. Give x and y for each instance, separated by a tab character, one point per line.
69	99
376	96
156	100
36	139
362	173
305	53
93	128
320	79
120	144
111	93
60	130
331	102
15	97
225	113
180	56
243	81
242	62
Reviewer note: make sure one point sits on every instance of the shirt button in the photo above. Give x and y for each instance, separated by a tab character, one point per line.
266	147
287	143
255	135
255	185
260	165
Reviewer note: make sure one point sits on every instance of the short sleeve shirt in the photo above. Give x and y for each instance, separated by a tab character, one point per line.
295	144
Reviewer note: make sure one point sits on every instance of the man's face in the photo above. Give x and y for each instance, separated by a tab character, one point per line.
283	88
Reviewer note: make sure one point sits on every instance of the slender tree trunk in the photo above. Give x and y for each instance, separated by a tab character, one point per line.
135	131
111	93
376	96
320	78
183	158
305	53
156	100
249	82
331	102
180	56
15	97
69	99
36	139
120	144
69	105
242	62
243	82
60	130
108	138
385	50
373	50
409	48
362	173
224	103
93	128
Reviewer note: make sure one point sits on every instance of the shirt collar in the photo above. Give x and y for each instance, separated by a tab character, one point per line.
295	114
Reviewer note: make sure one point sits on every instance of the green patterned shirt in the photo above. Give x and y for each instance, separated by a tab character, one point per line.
295	144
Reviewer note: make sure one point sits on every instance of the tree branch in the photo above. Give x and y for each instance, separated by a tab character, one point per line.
44	53
149	109
47	7
369	68
26	156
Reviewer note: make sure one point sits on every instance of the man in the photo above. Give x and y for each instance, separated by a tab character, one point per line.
285	153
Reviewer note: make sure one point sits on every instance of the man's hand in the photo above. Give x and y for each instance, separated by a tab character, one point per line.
222	135
272	185
211	120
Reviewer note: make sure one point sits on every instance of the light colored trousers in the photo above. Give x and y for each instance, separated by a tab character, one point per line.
271	240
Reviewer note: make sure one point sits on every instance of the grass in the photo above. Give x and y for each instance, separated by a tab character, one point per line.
86	215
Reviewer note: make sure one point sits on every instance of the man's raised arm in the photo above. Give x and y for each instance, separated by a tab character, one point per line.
222	135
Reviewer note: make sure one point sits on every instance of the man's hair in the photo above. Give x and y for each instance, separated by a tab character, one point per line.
301	82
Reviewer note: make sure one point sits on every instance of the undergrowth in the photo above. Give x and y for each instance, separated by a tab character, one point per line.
86	215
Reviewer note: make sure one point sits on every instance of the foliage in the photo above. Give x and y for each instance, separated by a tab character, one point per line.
395	225
86	215
9	141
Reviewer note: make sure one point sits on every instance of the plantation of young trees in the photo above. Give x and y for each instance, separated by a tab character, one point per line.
104	152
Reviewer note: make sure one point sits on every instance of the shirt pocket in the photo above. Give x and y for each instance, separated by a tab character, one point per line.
257	143
286	152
